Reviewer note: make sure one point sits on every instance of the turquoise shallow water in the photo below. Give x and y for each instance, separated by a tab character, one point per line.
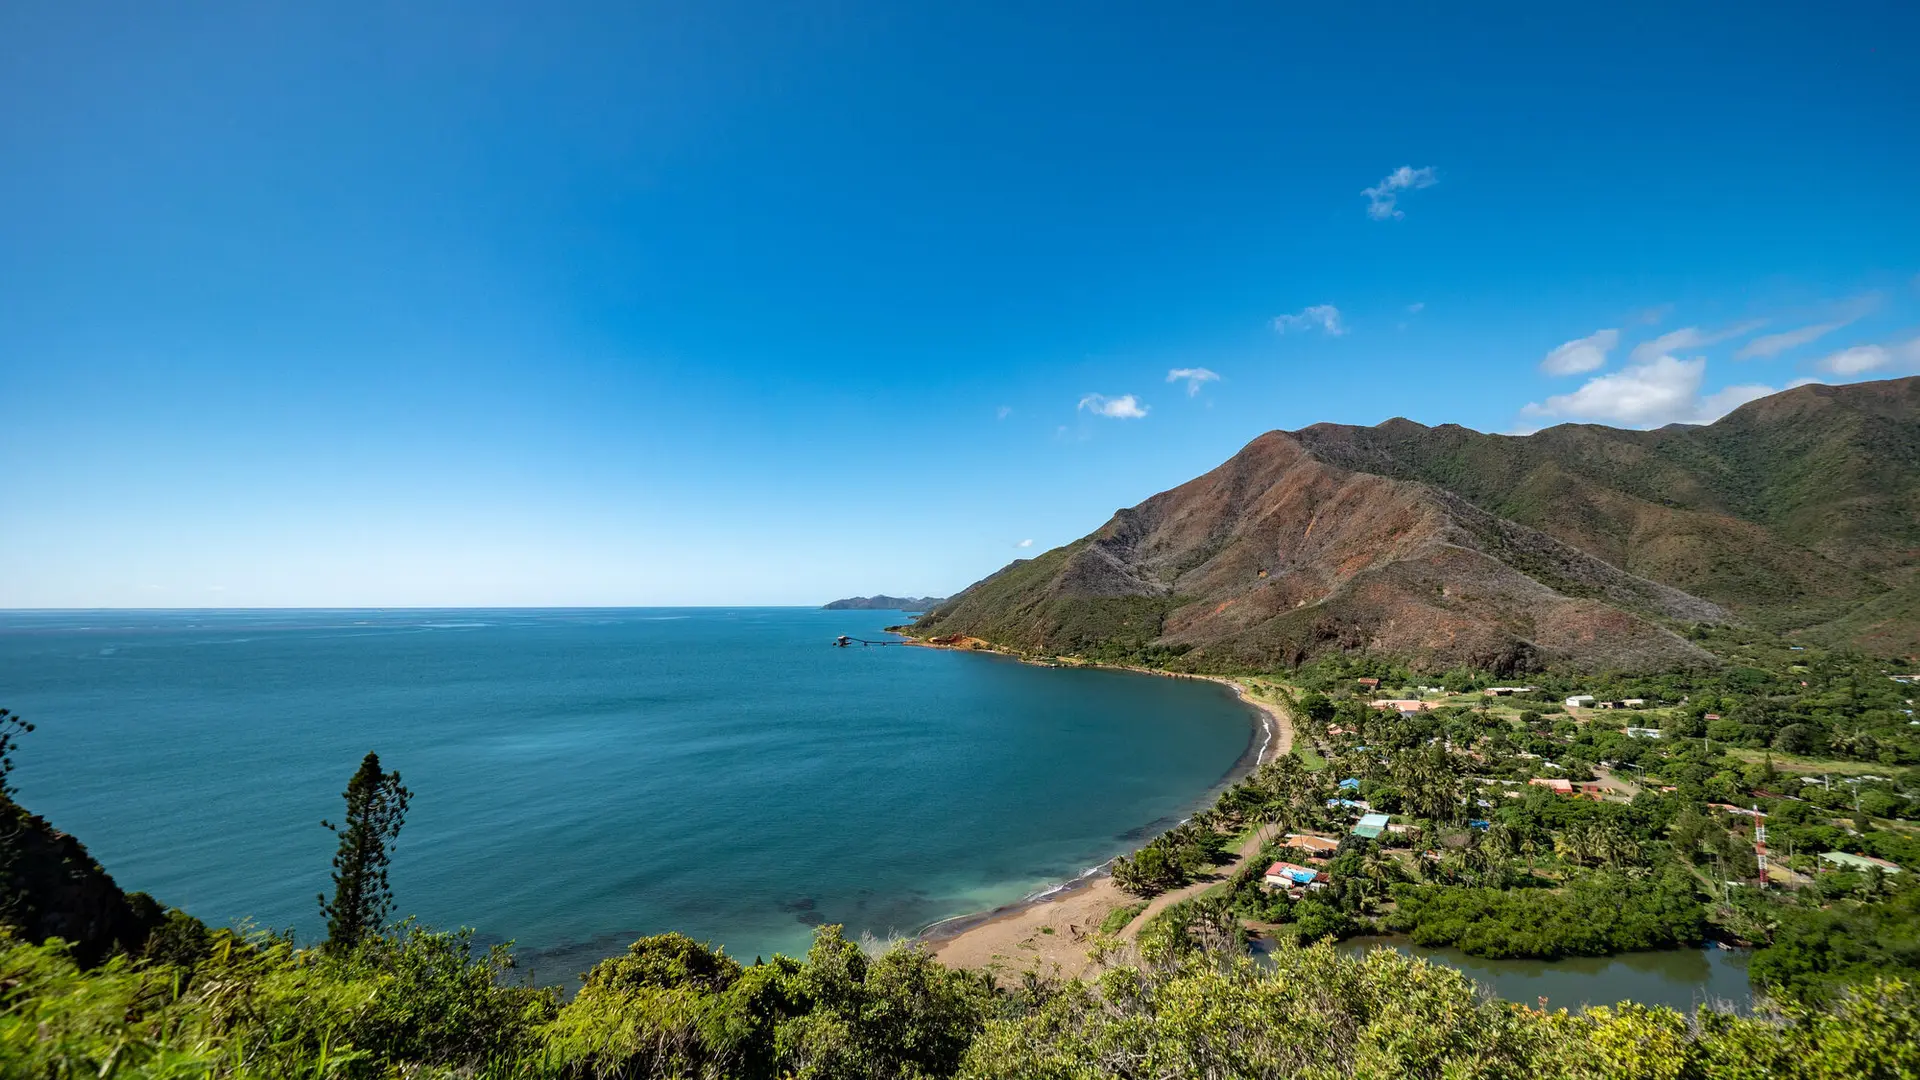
582	777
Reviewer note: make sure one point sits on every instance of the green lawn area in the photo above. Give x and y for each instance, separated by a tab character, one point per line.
1308	756
1791	763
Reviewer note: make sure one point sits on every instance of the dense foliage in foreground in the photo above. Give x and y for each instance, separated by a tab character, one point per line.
426	1005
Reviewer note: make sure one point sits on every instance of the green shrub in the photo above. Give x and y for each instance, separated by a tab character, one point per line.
1121	917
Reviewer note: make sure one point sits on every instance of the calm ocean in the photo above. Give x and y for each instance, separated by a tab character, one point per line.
583	777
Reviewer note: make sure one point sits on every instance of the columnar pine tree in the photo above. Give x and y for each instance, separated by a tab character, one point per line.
376	808
11	728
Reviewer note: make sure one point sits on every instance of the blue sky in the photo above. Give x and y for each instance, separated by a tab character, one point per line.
440	304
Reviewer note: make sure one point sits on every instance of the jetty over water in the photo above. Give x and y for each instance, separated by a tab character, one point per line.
843	641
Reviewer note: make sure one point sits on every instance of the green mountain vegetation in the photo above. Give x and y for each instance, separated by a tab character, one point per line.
1578	546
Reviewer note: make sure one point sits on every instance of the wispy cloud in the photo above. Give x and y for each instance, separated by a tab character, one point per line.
1024	544
1123	407
1416	308
1195	377
1772	345
1691	337
1382	197
1861	359
1581	354
1324	317
1003	412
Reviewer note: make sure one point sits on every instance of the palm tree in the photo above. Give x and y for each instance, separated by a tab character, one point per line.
1575	844
1617	848
1273	816
1500	841
1213	927
1289	770
1476	857
1873	884
1379	869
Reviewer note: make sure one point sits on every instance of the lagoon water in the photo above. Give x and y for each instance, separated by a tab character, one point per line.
582	778
1682	979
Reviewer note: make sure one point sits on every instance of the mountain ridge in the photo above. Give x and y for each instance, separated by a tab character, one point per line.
1579	544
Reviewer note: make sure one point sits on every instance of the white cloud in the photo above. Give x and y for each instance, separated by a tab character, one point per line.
1381	197
1024	544
1123	407
1662	391
1003	412
1194	376
1581	354
1861	359
1857	359
1320	316
1691	337
1416	308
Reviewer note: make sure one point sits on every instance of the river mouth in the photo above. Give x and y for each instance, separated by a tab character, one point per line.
1682	979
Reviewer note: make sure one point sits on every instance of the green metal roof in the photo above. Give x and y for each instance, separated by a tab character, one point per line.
1857	862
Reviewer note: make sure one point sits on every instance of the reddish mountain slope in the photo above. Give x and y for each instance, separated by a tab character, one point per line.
1579	545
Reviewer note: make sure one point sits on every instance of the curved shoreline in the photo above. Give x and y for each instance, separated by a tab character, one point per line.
997	932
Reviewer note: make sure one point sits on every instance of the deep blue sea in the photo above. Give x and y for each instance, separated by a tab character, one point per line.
583	777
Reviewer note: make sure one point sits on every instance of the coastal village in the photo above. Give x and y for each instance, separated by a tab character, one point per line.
1385	800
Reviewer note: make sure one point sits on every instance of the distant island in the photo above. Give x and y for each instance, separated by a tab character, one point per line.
886	603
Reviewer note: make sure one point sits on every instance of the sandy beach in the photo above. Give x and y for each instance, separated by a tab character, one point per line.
1050	935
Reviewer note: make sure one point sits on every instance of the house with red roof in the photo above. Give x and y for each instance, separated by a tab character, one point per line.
1286	875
